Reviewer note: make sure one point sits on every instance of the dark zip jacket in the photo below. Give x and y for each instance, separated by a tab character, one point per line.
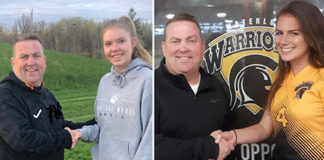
183	120
31	123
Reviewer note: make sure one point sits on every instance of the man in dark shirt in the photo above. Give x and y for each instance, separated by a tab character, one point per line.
189	103
31	120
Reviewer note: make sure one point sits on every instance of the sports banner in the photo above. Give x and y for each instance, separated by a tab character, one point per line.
245	60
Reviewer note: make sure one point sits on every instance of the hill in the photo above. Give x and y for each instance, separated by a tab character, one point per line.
64	71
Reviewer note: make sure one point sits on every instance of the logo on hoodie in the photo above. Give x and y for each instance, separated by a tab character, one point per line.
113	99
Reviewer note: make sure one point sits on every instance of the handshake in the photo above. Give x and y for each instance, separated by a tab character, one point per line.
75	134
226	141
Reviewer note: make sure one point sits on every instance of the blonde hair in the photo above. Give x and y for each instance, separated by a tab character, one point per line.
127	24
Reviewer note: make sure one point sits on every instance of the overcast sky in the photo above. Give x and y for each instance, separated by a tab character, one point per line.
53	10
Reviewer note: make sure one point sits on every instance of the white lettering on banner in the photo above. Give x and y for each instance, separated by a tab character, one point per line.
260	21
265	148
255	149
264	21
257	20
250	151
272	22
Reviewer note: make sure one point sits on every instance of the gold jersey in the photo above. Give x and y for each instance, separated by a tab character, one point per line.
298	115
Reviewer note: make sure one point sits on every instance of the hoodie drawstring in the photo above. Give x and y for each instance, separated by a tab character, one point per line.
119	80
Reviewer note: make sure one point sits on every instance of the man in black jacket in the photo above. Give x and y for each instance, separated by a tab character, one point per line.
189	103
31	120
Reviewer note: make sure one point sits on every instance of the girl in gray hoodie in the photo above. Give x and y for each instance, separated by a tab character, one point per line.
123	106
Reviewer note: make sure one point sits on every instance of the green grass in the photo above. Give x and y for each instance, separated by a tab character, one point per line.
77	106
74	81
5	54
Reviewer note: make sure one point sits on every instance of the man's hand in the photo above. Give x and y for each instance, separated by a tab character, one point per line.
225	149
75	134
226	142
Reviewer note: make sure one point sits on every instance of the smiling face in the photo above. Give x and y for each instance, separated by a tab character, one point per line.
290	41
183	48
29	62
118	47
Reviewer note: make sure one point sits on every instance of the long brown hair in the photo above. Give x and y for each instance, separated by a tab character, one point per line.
127	24
311	23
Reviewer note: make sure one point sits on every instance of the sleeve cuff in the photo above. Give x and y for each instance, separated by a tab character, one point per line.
214	148
83	133
68	139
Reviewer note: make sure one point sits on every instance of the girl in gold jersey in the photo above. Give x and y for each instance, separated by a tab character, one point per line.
295	112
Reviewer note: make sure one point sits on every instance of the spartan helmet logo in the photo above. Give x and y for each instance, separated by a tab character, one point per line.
249	81
300	89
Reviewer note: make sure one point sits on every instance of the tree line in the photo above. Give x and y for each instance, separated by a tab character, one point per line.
74	35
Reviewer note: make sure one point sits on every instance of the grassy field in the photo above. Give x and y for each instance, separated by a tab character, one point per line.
73	80
78	107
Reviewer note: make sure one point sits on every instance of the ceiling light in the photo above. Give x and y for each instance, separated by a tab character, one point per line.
169	16
228	21
221	15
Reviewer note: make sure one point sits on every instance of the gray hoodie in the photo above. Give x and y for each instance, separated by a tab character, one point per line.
123	110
